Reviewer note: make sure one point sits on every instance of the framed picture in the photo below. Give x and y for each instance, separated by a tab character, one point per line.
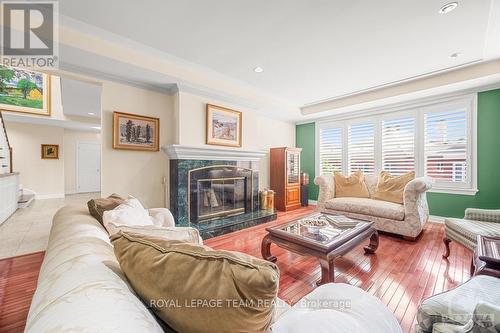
24	90
135	132
50	152
223	126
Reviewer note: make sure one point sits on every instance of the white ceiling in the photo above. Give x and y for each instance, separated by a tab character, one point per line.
310	50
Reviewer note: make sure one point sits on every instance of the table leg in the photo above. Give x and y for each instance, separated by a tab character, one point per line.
327	271
373	246
265	249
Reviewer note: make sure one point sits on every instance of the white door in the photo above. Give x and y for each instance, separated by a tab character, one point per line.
88	167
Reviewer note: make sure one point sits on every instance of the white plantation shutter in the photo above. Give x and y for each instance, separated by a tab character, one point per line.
398	145
330	150
445	146
361	148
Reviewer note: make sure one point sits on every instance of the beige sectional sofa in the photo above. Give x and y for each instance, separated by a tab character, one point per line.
407	219
81	288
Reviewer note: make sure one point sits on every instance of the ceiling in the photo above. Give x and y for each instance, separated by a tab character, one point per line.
310	50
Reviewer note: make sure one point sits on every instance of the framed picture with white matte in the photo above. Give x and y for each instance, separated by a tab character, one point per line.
224	126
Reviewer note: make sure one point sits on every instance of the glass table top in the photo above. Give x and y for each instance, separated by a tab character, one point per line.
336	226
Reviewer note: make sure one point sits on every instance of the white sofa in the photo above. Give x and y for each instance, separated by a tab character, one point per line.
81	288
407	219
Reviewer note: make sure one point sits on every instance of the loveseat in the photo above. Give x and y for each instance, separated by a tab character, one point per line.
407	219
81	288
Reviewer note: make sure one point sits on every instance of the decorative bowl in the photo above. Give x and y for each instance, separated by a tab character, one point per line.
314	225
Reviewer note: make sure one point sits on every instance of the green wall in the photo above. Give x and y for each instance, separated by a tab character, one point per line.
304	137
441	204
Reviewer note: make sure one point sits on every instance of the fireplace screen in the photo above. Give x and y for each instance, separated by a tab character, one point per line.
219	191
217	197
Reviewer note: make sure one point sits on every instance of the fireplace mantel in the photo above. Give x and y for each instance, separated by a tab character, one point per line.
181	152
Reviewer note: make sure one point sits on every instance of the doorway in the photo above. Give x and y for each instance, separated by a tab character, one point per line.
88	167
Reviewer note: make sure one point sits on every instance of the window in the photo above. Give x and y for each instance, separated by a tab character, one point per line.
432	138
445	147
361	148
330	150
398	145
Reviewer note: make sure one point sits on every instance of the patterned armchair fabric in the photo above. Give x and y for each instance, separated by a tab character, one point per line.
416	210
471	307
485	222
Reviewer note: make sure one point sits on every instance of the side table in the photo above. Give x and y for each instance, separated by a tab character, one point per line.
486	259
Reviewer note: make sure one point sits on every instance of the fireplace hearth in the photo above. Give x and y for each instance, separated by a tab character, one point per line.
215	190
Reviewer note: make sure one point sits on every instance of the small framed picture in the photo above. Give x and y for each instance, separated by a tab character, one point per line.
135	132
50	152
223	126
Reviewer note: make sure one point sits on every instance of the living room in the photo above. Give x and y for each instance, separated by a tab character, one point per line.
221	166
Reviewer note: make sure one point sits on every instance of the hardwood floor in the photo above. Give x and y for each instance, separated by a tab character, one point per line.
18	278
401	273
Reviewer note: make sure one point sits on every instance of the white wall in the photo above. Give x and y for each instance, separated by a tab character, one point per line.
71	139
259	132
44	176
138	173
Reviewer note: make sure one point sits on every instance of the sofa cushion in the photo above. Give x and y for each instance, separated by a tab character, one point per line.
457	305
471	229
385	209
80	286
391	188
351	186
193	287
98	206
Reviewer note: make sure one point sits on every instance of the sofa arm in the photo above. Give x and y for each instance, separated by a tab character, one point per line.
486	215
415	203
486	317
162	217
326	190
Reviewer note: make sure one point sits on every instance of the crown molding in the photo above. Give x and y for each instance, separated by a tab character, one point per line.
181	152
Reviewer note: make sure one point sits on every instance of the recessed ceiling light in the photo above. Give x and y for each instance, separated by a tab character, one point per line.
448	7
455	55
91	113
258	69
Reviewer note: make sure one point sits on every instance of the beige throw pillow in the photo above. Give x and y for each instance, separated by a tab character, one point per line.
352	186
391	188
193	288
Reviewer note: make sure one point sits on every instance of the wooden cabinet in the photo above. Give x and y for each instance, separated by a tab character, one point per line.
285	177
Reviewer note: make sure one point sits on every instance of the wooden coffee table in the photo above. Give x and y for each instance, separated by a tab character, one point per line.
331	242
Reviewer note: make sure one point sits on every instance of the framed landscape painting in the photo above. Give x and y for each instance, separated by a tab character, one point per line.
24	90
135	132
223	126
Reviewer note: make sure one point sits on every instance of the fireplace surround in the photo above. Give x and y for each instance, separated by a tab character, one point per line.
215	190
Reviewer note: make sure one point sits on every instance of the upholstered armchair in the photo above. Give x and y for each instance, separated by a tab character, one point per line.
484	222
472	307
407	219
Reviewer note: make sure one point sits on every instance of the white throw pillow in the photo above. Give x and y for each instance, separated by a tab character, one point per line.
129	213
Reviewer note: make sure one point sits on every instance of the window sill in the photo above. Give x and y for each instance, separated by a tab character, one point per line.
462	191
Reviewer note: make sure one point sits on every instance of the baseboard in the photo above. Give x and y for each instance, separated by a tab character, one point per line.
49	196
313	202
436	218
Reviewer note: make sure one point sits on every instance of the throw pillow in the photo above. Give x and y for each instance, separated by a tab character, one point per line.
193	288
391	188
129	213
184	234
97	207
352	186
